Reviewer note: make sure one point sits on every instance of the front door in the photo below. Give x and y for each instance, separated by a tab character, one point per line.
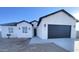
34	32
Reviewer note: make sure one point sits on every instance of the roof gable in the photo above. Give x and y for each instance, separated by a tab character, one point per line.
23	21
62	10
33	21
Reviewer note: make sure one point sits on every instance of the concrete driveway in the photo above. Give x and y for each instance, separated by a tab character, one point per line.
23	45
46	47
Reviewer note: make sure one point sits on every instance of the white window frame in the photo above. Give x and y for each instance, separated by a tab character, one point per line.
10	30
24	29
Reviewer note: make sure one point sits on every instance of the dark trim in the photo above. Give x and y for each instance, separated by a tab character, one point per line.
62	10
23	21
15	23
33	21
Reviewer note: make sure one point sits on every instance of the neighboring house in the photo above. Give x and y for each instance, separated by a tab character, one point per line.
0	32
58	27
77	30
59	24
34	23
22	29
77	34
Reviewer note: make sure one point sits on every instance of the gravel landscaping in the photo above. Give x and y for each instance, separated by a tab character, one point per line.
13	45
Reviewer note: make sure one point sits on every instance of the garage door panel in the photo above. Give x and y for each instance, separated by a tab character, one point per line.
59	31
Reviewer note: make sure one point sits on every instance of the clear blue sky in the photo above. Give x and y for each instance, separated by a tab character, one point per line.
13	14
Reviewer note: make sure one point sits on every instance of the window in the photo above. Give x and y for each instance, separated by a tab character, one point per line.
44	25
24	29
10	30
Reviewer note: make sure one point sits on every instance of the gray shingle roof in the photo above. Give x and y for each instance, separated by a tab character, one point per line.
14	23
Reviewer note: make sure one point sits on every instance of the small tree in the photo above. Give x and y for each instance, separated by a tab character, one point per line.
8	35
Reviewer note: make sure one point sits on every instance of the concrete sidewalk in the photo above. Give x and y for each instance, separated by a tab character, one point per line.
77	45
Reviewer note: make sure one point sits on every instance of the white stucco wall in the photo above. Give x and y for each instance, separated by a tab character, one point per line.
39	32
5	31
58	19
17	33
29	30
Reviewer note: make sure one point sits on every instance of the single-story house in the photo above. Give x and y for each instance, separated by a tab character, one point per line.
58	27
34	23
22	29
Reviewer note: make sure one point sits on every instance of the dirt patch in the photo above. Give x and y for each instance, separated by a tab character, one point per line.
7	45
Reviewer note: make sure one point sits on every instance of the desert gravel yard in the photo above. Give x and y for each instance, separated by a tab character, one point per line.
13	44
22	45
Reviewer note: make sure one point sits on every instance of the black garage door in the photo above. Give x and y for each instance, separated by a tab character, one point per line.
59	31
